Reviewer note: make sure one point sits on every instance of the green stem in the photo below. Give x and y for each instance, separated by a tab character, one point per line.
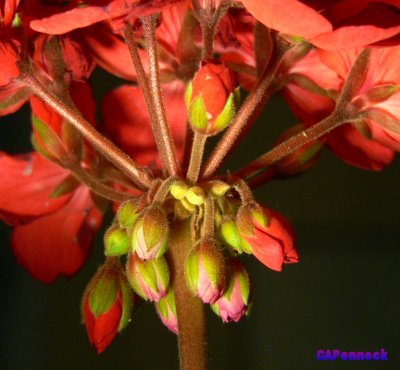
196	157
189	309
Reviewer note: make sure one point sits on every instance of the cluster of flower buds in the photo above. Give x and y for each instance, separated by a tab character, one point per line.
224	224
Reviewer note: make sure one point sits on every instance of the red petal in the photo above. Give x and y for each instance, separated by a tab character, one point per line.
353	148
289	16
109	51
27	184
106	327
89	319
267	249
58	243
51	20
375	23
127	121
9	58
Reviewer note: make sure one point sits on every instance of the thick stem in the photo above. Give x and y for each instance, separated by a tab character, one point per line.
168	152
101	143
199	141
294	143
189	309
253	101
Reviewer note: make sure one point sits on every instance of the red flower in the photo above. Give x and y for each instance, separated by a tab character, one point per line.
368	146
330	25
52	236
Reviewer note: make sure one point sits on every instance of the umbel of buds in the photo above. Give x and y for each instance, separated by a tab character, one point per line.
106	304
211	98
225	221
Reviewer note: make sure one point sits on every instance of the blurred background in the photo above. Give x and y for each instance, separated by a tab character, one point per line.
344	293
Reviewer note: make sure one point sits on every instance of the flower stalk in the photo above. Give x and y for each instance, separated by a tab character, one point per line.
116	156
168	152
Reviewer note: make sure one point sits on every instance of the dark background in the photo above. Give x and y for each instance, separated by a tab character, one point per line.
343	294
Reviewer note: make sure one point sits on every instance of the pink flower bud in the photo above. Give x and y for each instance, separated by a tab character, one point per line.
205	272
272	244
166	310
150	234
149	279
234	302
106	304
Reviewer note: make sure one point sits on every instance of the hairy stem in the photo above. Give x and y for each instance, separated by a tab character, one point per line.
101	143
254	99
189	309
196	157
167	146
294	143
97	187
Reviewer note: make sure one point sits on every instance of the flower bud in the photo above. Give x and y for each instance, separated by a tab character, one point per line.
179	189
127	214
204	272
210	98
248	215
301	159
151	234
272	244
116	242
106	304
234	302
149	279
195	196
231	236
166	310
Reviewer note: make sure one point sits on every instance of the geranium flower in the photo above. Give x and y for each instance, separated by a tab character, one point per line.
52	236
330	25
368	146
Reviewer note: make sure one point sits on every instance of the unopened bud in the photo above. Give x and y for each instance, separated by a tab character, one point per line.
166	310
234	302
151	234
149	279
195	195
127	214
248	216
205	272
272	244
179	189
116	242
231	236
210	98
106	304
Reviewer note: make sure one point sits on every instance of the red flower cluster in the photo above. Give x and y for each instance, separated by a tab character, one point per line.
55	197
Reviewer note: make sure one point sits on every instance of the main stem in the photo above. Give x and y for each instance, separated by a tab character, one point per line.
168	152
101	143
189	309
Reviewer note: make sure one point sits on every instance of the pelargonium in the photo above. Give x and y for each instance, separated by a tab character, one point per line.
191	70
